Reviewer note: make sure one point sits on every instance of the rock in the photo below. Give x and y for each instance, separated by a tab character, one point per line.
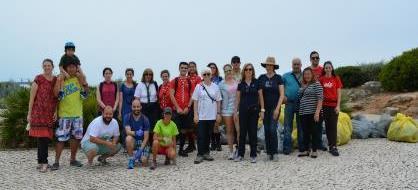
412	111
400	99
355	94
373	86
391	110
354	106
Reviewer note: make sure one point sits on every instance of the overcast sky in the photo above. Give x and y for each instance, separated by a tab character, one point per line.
160	34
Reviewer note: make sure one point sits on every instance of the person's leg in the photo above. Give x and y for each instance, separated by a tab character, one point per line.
155	149
77	134
182	135
74	144
190	132
306	135
316	135
331	121
267	133
229	132
130	145
209	125
301	145
288	127
59	146
252	133
320	130
273	136
327	118
243	129
90	156
200	138
171	153
43	150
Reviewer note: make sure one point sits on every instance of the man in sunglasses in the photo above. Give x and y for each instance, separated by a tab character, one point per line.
315	66
317	70
236	70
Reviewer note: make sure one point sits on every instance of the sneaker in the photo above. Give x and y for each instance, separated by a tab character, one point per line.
238	159
55	166
167	161
323	148
189	149
207	157
334	151
303	154
314	154
198	160
153	165
231	156
275	158
102	161
236	153
76	163
212	147
182	153
131	164
43	168
253	160
219	148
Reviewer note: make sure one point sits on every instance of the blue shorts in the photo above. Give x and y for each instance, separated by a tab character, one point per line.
69	127
88	146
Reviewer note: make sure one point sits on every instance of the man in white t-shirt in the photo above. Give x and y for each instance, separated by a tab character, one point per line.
101	138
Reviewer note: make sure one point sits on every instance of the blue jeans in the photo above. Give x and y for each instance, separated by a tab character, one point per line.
289	113
270	132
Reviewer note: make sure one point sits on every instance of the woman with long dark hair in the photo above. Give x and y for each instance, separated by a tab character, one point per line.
216	135
332	85
126	96
108	93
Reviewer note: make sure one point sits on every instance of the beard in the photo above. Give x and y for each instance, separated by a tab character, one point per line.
136	112
107	120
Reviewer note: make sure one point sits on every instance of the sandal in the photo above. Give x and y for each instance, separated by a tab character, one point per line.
43	168
314	155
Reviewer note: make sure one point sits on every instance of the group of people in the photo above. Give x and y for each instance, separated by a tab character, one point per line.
187	107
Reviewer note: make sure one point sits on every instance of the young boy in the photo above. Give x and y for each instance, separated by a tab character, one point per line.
69	50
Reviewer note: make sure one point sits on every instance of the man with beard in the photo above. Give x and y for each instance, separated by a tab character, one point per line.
137	128
101	138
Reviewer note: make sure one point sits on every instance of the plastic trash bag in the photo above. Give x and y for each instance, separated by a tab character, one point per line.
344	129
381	127
403	129
362	128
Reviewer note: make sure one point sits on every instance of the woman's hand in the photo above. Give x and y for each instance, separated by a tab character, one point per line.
196	119
55	117
337	109
276	113
120	116
316	116
261	115
218	118
28	118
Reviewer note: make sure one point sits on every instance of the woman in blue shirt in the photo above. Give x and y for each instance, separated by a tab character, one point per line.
126	96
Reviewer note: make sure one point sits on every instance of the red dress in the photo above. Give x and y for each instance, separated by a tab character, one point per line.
164	96
43	109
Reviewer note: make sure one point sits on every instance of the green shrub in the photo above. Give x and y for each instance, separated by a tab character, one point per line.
351	76
371	70
13	132
400	74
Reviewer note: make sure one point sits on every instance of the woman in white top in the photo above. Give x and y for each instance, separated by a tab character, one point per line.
147	93
207	109
228	88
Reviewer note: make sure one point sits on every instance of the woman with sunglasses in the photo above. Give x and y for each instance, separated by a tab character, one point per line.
273	91
147	93
216	136
228	89
332	98
249	100
310	108
207	110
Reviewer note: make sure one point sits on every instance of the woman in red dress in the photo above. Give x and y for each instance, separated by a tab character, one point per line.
42	111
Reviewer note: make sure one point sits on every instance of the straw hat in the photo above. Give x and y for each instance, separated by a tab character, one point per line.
270	61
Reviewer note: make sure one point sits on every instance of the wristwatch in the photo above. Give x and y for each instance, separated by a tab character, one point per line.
263	110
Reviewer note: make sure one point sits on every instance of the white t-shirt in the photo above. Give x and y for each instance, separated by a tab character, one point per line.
141	92
98	128
206	108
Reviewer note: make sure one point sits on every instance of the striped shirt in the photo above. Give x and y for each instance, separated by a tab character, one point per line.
309	98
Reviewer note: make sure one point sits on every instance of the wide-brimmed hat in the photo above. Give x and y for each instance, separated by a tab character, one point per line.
270	61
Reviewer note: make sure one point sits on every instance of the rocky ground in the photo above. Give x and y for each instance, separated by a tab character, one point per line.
363	164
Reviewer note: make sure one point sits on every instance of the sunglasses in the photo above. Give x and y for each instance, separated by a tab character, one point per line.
248	69
228	71
315	58
206	74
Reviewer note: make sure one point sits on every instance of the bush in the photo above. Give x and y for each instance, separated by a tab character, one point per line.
400	74
13	132
351	76
372	70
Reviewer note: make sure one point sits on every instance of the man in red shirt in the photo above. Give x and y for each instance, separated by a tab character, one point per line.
180	95
315	66
317	70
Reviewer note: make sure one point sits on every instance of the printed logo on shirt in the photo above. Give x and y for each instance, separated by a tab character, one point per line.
70	89
328	85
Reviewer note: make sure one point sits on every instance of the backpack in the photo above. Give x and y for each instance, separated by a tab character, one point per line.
176	82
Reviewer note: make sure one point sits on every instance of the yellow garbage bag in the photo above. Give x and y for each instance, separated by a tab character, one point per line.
403	129
344	129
